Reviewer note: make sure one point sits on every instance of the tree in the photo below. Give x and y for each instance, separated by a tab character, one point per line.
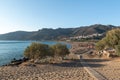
100	45
37	50
60	50
112	40
113	37
117	48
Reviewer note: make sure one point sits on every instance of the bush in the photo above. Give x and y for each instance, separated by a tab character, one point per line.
112	40
60	50
113	37
101	44
37	50
117	48
40	51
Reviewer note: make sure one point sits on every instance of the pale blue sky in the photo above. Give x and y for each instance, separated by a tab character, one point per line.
30	15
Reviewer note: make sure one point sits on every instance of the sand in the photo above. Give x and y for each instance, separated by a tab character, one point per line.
64	71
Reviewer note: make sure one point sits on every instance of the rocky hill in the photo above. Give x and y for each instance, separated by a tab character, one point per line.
53	34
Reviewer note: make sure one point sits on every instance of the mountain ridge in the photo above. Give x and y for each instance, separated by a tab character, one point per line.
56	34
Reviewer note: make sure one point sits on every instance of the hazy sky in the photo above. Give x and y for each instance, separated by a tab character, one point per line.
30	15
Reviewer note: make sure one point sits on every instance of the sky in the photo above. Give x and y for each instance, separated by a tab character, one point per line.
32	15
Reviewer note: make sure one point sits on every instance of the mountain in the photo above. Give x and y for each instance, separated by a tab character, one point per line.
18	35
53	34
92	29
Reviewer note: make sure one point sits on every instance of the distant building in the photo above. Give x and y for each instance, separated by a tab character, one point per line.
87	36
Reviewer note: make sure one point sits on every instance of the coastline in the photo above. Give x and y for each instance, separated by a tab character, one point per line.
68	70
16	49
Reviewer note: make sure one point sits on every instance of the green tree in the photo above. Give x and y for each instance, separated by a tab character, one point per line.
100	45
117	48
37	50
60	50
112	40
113	37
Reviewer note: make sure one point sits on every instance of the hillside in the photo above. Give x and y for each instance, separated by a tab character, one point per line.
88	30
53	34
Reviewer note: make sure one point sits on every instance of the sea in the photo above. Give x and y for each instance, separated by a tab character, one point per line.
15	49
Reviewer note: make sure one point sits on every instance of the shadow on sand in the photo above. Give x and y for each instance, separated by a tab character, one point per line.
96	60
77	63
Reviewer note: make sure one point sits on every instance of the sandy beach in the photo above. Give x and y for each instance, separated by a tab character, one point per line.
67	70
64	71
108	68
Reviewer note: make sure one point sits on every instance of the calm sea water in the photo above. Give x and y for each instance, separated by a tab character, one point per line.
15	49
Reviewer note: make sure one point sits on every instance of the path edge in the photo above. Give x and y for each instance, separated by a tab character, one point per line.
92	72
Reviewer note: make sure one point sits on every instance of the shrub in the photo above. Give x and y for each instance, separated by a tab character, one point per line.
100	45
40	51
37	50
117	48
60	50
112	40
113	37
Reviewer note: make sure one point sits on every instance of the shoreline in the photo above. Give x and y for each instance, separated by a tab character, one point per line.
20	57
67	70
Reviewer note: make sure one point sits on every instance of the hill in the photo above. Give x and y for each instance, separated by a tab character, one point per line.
53	34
